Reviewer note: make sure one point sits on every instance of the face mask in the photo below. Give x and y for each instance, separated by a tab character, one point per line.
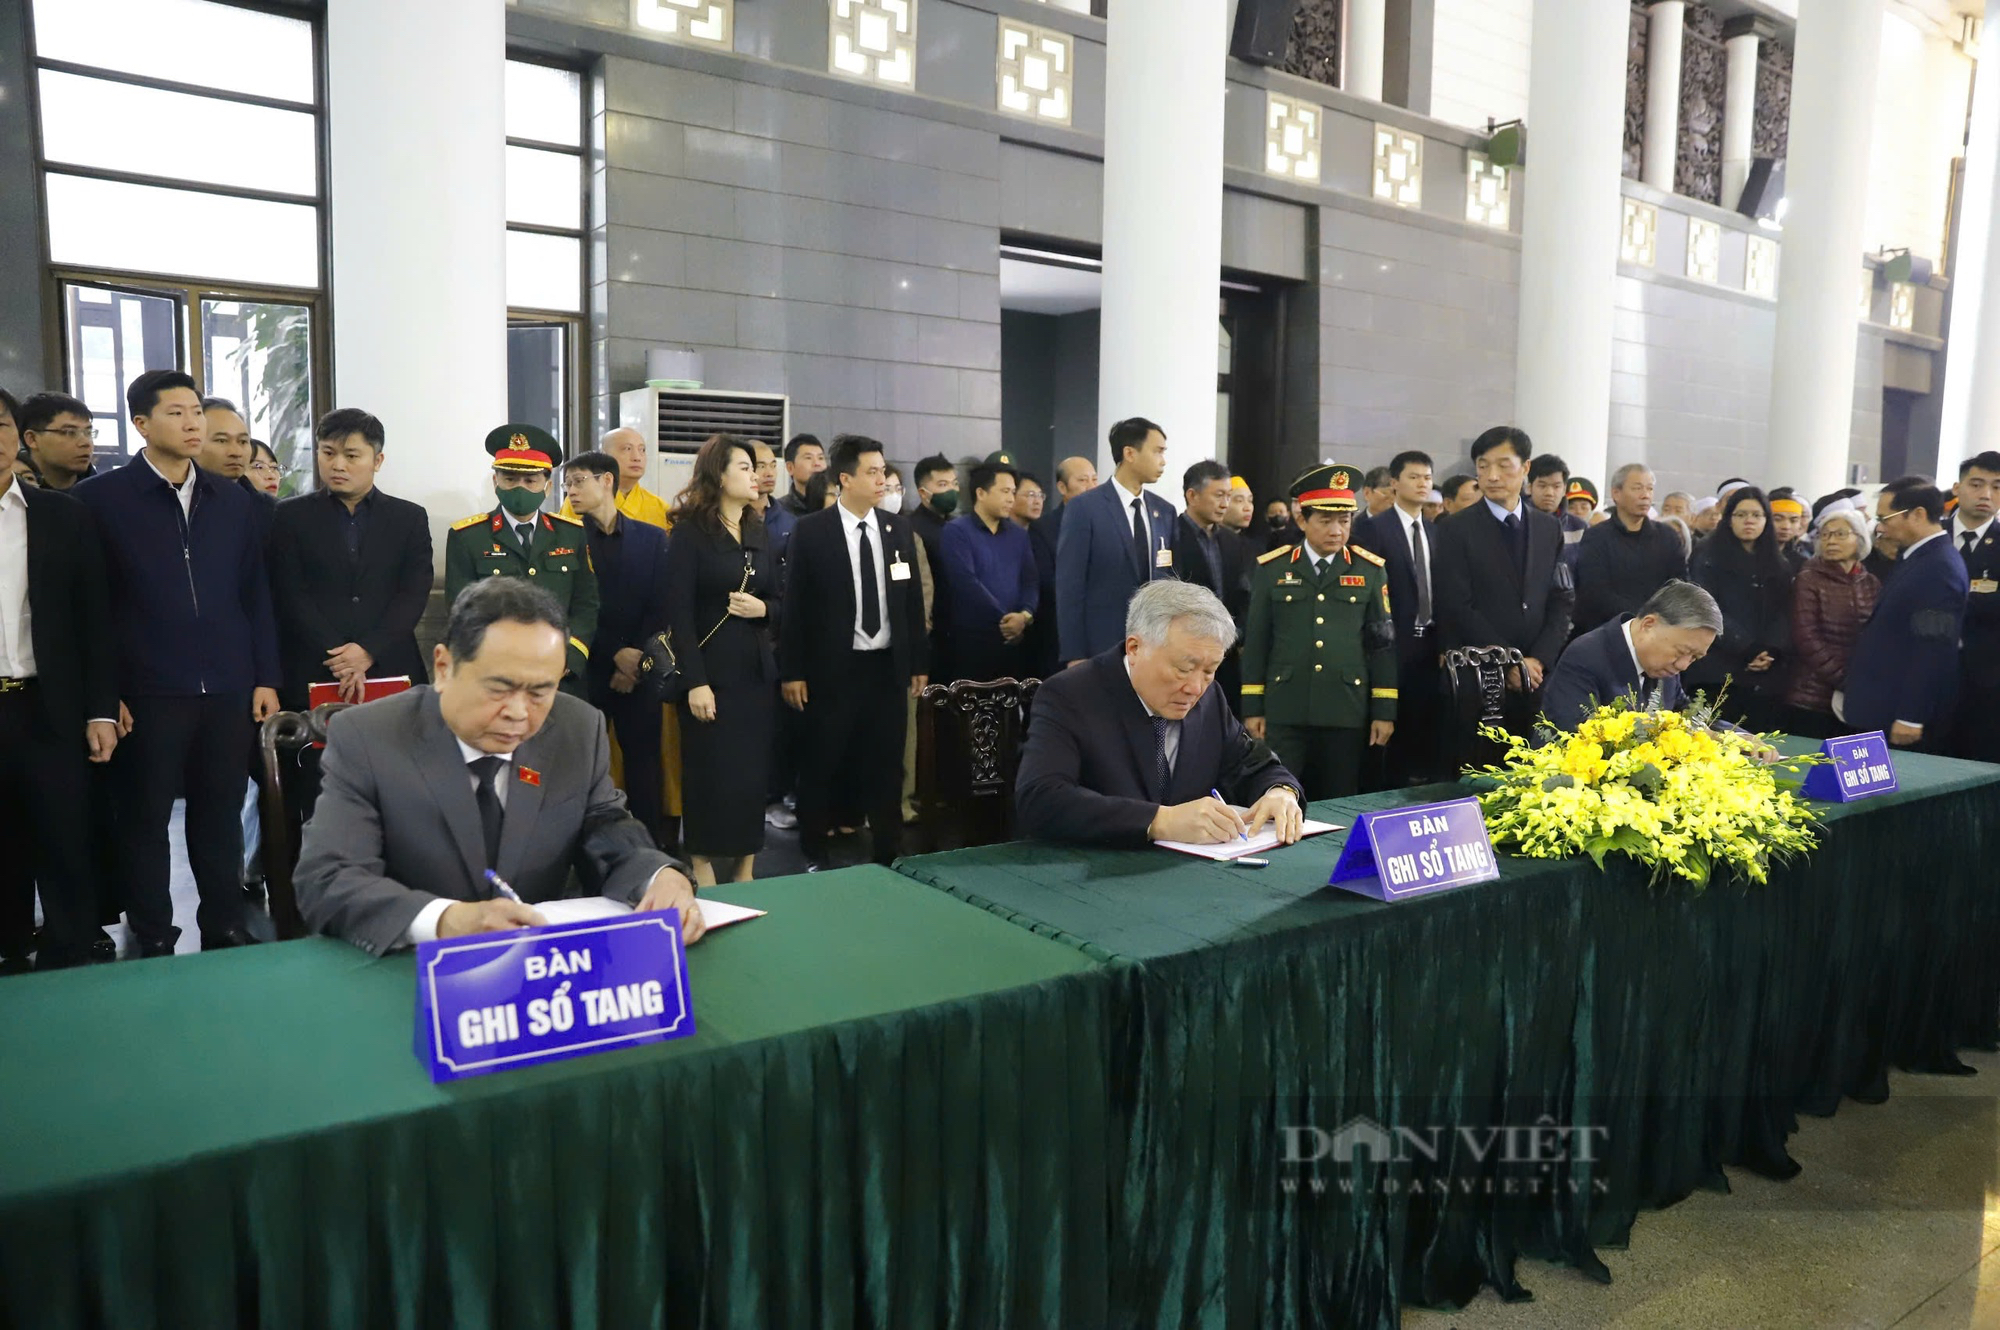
1278	523
892	501
521	502
945	504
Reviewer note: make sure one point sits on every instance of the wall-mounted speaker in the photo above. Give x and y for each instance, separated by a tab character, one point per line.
1764	191
1263	30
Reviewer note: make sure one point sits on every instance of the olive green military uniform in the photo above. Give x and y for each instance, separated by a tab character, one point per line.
1319	661
486	545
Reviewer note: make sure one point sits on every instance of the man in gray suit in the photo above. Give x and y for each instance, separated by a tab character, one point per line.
491	769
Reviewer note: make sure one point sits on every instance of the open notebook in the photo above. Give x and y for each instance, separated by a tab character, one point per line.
1267	839
717	914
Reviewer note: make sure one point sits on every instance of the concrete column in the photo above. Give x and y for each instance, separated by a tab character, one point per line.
1826	185
1569	228
1665	22
1741	41
1367	26
1971	406
1163	222
416	106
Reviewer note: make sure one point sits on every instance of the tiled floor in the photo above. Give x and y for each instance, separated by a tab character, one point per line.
1894	1221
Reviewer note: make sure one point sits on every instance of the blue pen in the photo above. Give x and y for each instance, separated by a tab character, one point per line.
499	885
1217	796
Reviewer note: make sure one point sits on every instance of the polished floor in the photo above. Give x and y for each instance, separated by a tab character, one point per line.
1895	1221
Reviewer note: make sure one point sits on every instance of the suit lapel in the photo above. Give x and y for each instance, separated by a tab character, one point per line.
1136	724
443	770
524	806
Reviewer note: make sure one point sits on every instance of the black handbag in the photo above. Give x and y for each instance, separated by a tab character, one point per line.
659	672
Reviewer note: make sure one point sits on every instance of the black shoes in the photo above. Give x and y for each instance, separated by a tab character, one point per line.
229	937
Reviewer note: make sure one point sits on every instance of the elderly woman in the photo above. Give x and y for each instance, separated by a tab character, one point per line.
1831	600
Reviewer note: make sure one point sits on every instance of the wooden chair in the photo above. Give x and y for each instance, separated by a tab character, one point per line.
1477	699
969	739
279	817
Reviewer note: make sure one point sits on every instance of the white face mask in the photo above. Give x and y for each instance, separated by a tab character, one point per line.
892	501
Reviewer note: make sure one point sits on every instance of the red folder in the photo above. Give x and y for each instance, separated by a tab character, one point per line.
372	690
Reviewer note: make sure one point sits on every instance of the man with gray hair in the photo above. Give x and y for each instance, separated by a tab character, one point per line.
1132	745
1621	562
1640	655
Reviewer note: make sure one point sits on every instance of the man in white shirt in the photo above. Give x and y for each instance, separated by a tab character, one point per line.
1404	537
1115	539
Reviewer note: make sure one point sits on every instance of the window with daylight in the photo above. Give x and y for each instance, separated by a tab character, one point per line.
547	217
199	243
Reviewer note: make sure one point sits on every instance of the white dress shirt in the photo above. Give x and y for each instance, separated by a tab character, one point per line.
854	526
1145	517
1648	698
424	928
17	617
1959	530
183	491
1413	528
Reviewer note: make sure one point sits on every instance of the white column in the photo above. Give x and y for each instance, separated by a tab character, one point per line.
1163	222
1971	407
1569	228
1739	108
1819	275
1367	24
416	104
1665	22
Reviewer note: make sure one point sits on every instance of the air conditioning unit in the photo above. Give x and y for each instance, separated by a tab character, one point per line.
680	420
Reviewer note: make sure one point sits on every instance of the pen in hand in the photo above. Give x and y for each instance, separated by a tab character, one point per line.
500	887
1217	796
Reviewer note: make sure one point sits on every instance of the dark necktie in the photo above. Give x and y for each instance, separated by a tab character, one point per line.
871	608
1422	563
490	811
1518	533
526	532
1160	768
1140	545
1967	541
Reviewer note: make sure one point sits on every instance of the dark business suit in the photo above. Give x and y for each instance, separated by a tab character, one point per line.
855	716
1905	663
45	797
1041	634
1412	754
1089	770
325	597
1490	588
1098	568
397	825
1976	732
630	563
1232	589
1596	670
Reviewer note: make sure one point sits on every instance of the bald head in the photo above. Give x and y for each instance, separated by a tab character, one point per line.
1074	475
629	447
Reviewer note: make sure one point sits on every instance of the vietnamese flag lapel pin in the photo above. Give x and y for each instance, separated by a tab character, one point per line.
530	776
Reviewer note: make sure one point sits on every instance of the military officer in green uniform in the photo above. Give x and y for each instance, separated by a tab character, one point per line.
518	539
1319	653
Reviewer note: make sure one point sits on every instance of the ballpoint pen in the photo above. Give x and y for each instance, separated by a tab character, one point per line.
1217	796
499	885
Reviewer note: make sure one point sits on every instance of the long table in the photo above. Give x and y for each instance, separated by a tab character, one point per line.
1679	1032
885	1089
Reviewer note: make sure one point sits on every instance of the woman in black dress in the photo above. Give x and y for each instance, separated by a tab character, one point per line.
1743	568
722	590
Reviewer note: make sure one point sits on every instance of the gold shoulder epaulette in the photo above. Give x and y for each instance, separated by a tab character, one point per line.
1370	555
573	521
1277	553
473	520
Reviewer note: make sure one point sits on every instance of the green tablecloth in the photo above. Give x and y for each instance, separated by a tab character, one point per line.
892	1113
1689	1029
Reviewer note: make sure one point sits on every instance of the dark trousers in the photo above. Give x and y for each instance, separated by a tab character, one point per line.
1976	730
45	832
1326	760
1413	755
636	722
853	753
192	747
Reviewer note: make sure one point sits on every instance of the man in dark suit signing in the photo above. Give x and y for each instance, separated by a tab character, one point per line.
350	569
1500	578
1127	747
58	712
433	794
1638	655
851	644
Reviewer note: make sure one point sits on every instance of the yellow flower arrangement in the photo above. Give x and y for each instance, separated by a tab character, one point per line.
1661	787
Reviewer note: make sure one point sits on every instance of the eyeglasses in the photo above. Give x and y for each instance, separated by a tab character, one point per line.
72	432
1883	517
261	465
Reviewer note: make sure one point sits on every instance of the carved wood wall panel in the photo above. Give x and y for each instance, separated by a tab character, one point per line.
1771	127
1704	79
1313	52
1635	93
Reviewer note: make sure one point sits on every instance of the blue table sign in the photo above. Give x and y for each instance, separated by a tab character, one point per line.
1861	766
1404	852
495	1001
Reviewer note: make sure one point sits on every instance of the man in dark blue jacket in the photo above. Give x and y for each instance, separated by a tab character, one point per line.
1903	676
197	658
